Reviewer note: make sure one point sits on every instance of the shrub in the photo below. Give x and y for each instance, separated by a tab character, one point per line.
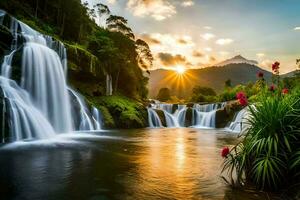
269	154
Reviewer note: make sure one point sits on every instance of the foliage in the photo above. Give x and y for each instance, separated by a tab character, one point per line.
164	94
114	48
203	94
268	155
126	112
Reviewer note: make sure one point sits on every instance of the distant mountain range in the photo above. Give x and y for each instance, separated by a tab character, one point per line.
238	69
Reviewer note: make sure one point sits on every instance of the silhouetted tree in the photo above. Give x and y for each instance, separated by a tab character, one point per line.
119	24
145	57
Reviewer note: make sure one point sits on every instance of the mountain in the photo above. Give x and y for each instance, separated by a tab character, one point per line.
237	60
214	77
290	74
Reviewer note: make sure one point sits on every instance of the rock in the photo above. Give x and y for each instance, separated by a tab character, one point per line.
189	117
162	117
226	115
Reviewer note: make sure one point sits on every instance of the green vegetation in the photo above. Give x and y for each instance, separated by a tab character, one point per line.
203	94
93	52
268	155
121	112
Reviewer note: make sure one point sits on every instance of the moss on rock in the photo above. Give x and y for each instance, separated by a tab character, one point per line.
124	112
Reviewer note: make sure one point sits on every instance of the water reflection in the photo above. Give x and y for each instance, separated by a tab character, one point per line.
139	164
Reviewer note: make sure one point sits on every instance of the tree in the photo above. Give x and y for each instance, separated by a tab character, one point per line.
119	24
228	83
164	94
205	91
102	10
145	57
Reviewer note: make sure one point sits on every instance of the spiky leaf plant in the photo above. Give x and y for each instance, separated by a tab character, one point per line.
269	154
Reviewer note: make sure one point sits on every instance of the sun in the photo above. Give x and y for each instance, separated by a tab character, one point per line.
180	70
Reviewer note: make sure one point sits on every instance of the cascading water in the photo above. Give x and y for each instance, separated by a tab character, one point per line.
97	118
205	115
202	115
40	106
239	121
153	118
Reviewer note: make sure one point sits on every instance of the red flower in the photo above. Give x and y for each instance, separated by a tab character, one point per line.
260	74
275	67
225	151
272	88
243	101
240	95
285	91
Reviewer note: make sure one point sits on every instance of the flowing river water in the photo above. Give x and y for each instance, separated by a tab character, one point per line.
173	163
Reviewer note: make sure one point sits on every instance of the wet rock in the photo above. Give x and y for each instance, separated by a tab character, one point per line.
162	117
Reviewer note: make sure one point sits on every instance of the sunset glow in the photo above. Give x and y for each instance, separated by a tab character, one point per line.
180	70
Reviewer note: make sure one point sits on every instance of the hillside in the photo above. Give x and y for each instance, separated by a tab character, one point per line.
214	77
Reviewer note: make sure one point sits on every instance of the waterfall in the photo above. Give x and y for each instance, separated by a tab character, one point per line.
97	118
204	116
238	124
85	121
153	118
109	89
40	106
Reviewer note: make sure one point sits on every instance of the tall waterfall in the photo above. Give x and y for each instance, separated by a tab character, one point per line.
203	116
39	106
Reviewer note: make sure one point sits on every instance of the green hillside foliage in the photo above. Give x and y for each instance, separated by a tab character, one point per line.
94	51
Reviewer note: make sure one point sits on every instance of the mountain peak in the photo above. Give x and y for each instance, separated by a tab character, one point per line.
237	60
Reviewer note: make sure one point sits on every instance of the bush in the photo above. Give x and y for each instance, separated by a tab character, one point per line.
269	154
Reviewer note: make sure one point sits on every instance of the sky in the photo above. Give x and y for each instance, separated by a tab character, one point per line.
201	33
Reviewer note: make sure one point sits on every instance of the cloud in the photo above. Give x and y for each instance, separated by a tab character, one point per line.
267	64
207	27
168	59
224	41
157	9
198	54
112	2
208	36
150	40
260	55
170	41
212	59
187	3
208	49
297	28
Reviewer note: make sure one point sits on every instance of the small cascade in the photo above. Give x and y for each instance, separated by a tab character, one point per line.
109	89
97	119
153	118
238	124
171	120
181	115
85	121
204	116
